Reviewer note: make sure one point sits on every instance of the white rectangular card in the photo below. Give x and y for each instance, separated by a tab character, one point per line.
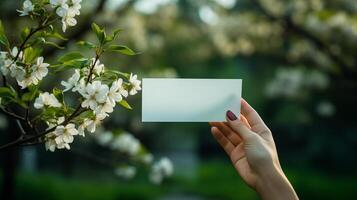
189	100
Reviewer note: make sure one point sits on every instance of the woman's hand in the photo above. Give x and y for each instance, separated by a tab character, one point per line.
251	148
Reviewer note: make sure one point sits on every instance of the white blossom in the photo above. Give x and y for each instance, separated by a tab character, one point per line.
134	83
116	91
55	3
76	5
287	83
98	67
27	7
3	57
40	69
126	172
72	82
50	143
156	177
80	87
25	80
67	10
17	72
61	137
46	99
8	64
68	18
15	51
54	122
293	82
317	80
106	107
91	124
5	66
147	158
23	77
81	129
63	145
105	138
161	169
95	93
325	109
126	143
64	134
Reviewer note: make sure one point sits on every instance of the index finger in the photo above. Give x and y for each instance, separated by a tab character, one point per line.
253	118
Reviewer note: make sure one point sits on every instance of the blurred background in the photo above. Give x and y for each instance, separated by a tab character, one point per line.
298	63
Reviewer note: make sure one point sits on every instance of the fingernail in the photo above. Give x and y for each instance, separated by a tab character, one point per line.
231	116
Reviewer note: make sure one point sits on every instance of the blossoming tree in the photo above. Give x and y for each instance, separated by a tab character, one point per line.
48	116
99	89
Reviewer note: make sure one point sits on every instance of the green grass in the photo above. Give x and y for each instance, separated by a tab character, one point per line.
56	188
215	180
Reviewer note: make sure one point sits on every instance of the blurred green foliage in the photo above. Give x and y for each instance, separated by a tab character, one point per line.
215	180
314	128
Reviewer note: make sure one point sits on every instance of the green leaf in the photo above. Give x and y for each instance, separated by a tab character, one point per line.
70	56
99	32
51	27
53	44
77	63
31	54
24	33
125	75
58	94
3	38
52	112
121	49
113	36
6	92
8	95
21	103
125	104
56	35
116	32
87	44
29	96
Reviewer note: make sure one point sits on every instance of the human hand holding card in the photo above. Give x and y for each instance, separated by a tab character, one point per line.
189	100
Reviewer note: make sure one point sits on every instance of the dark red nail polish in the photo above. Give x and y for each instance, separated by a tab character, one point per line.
231	116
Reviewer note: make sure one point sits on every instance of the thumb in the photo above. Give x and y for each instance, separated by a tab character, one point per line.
238	126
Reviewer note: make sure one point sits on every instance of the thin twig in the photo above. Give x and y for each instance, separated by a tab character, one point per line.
89	78
11	114
23	132
33	137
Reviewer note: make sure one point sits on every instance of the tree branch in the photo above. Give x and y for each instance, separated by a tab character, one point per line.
11	114
23	140
80	31
345	68
86	25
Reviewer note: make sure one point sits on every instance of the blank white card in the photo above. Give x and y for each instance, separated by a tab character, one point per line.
189	100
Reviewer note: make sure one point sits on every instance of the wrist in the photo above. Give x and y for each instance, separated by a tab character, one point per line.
273	184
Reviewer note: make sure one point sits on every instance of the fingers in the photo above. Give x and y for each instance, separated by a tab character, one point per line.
222	140
228	132
253	118
238	126
244	120
238	153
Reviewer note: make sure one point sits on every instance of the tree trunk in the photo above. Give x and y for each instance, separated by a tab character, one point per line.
9	162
